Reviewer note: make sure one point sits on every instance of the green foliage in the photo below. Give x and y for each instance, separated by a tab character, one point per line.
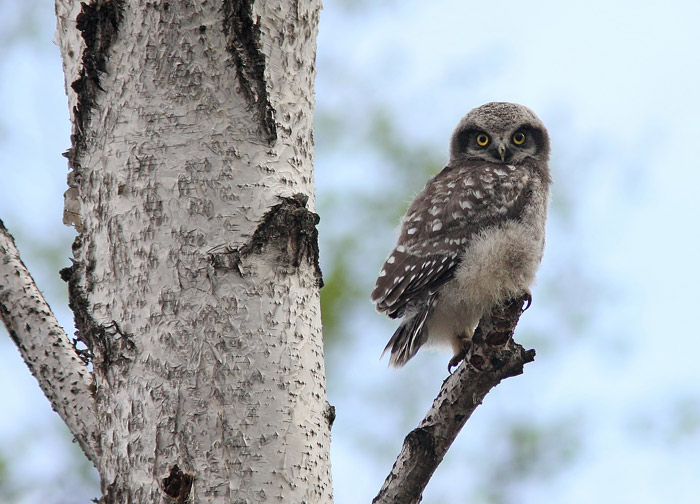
339	289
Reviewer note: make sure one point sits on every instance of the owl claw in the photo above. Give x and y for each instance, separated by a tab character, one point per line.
466	344
527	298
454	361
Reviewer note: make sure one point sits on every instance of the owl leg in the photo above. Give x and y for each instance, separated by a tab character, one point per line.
461	346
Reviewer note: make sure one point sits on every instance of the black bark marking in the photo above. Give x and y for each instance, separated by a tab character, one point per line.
329	414
243	34
288	227
422	443
113	493
178	485
105	344
98	23
84	324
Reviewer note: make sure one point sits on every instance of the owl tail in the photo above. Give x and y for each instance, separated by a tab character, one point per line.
408	337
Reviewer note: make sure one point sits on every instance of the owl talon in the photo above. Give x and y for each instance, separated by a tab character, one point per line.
466	344
454	361
528	301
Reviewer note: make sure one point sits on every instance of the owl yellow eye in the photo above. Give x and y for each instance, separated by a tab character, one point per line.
482	139
519	138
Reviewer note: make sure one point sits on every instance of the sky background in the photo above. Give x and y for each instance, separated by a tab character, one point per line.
610	409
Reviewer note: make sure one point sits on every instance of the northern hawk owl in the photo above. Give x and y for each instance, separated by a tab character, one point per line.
473	237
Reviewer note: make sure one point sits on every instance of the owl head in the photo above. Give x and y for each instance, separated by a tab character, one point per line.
500	132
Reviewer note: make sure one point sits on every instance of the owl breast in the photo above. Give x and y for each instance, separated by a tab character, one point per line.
500	262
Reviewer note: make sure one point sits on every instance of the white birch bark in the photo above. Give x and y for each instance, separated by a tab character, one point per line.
196	283
45	347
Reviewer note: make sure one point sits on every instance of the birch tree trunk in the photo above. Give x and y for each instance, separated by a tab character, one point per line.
195	281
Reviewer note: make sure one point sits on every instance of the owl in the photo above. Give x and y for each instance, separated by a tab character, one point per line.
473	237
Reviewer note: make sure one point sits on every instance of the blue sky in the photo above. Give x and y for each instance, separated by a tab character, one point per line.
617	85
616	377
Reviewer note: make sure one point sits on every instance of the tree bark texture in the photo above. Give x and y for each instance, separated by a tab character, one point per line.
195	281
493	357
45	347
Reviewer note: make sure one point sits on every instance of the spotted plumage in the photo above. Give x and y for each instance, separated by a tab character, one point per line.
473	236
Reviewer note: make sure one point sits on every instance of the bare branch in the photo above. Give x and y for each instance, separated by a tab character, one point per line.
494	356
46	349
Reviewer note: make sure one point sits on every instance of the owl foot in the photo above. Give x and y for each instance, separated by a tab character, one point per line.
460	356
454	361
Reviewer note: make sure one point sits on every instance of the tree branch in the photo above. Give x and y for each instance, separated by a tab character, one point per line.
46	349
493	357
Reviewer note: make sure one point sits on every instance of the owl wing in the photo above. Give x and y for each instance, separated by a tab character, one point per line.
454	206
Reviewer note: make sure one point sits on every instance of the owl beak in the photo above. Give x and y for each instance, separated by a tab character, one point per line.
502	151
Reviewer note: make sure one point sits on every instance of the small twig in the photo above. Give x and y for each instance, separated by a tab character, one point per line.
46	349
494	356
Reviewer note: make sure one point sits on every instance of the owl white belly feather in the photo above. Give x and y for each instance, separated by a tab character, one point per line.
500	263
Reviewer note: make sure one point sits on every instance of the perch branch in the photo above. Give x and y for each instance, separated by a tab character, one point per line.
46	349
493	357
